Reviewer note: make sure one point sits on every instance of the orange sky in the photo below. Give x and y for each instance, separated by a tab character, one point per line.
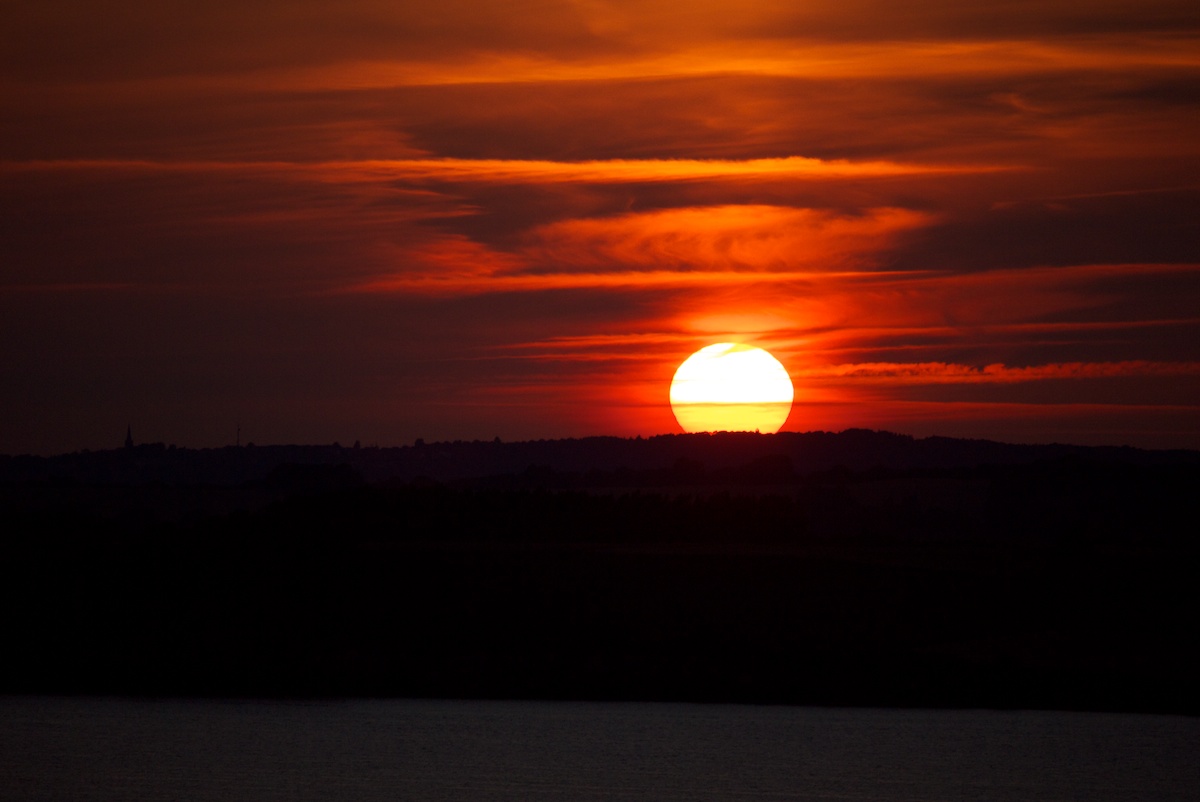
458	220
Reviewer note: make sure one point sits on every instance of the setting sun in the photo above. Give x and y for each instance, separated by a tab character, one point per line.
731	387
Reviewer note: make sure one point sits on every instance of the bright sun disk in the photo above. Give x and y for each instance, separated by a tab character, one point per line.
731	387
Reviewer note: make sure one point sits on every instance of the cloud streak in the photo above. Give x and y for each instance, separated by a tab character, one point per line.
607	171
943	373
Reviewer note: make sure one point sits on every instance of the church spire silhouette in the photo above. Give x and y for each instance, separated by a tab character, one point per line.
128	436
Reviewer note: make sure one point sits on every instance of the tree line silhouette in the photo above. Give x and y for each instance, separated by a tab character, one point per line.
1064	582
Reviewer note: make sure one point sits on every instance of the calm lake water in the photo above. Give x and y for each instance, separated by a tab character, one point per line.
116	749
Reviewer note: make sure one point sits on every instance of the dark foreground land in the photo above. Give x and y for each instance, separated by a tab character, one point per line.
853	569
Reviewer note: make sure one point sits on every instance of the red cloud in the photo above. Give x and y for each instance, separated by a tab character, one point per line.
722	238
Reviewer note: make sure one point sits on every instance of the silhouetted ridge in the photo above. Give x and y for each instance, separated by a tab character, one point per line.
860	568
854	449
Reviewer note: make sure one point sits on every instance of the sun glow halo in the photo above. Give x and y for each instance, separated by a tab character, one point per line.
731	387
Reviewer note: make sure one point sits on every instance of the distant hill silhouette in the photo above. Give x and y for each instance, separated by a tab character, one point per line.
860	568
854	449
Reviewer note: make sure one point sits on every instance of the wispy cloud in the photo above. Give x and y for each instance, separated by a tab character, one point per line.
516	170
673	248
783	58
943	373
759	239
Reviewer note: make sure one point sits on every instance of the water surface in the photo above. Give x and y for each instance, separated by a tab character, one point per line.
86	749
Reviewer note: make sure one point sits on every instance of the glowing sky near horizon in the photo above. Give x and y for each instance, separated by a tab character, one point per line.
378	222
